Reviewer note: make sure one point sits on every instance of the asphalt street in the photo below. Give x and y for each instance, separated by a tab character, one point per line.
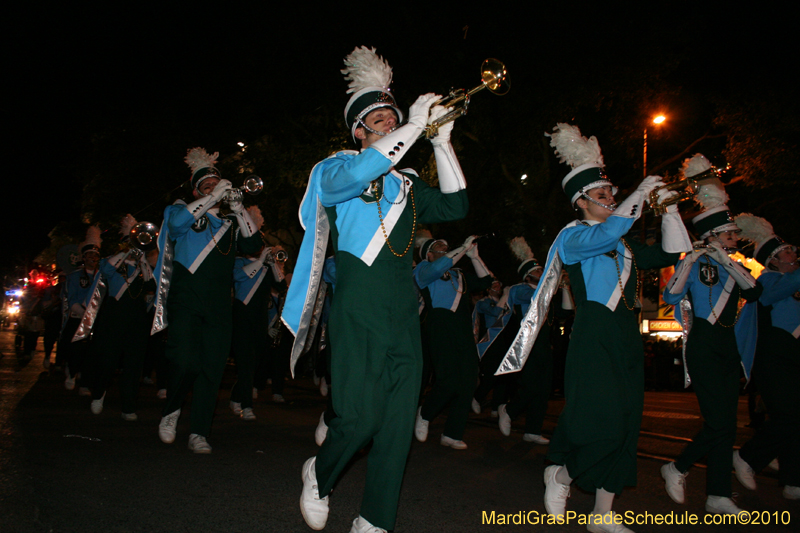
67	470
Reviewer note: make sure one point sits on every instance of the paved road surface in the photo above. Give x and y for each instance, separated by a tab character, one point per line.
66	470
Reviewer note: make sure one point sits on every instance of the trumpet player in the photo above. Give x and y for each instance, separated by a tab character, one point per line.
595	441
449	335
372	208
535	380
254	278
75	293
193	297
778	370
721	341
121	329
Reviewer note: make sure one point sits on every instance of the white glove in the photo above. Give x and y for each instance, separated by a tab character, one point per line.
246	224
739	273
677	282
199	207
472	251
235	204
117	259
451	177
273	332
395	145
717	253
663	196
126	225
674	238
443	135
419	111
633	204
219	191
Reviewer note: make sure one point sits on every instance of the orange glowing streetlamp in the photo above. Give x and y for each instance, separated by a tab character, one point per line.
657	120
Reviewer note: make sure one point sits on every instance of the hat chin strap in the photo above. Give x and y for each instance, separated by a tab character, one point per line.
611	207
375	132
730	250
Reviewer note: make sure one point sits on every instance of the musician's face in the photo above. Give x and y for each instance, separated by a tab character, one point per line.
728	239
437	250
592	211
206	186
786	260
383	119
496	288
90	260
534	276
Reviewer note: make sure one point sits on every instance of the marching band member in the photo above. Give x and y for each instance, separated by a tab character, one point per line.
449	335
253	279
198	247
75	294
595	441
778	368
536	377
121	328
489	319
371	209
720	342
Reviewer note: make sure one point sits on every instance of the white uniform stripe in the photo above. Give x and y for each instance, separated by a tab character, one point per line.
723	300
459	292
390	219
613	301
196	264
255	286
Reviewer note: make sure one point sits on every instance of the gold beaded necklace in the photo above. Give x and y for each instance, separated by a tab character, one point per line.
214	238
383	228
634	272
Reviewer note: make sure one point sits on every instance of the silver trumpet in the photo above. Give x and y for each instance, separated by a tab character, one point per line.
278	256
142	238
252	185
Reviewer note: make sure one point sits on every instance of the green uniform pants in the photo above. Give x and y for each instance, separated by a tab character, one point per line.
376	366
778	374
714	366
455	367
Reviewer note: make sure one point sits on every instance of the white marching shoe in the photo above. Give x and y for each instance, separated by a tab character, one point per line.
674	482
536	439
322	430
166	428
744	473
314	509
361	525
97	405
721	505
421	427
199	444
555	493
453	443
503	420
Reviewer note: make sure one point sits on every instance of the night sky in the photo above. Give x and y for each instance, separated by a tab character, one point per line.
217	76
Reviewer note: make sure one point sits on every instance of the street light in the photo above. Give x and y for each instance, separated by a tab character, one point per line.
657	121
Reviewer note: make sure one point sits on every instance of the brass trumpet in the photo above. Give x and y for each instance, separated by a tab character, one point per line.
686	189
494	77
252	185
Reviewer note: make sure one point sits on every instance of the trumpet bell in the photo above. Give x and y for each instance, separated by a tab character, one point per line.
253	184
495	76
685	189
143	236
